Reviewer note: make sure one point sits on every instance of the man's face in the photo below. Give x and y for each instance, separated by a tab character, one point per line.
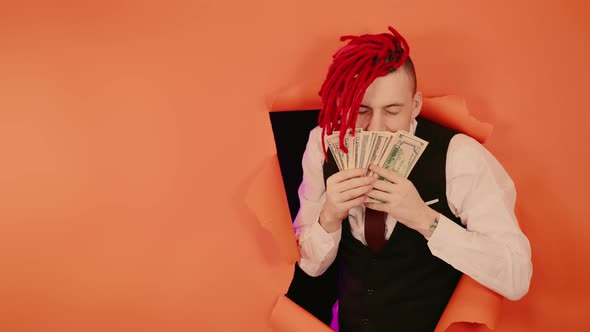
389	103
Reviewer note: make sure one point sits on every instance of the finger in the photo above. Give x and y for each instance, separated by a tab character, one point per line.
384	186
387	174
354	193
347	174
379	195
352	184
355	202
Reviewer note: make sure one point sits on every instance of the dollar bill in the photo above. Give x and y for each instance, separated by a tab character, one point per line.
379	142
333	142
363	150
399	151
404	154
351	143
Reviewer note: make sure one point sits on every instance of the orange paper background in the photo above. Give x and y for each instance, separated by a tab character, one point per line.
132	132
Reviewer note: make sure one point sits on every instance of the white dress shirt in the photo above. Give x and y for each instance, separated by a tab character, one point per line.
492	249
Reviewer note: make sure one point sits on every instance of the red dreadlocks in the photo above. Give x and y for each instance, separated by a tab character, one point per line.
354	68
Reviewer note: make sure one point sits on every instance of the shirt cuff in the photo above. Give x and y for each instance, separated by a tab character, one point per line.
320	249
327	240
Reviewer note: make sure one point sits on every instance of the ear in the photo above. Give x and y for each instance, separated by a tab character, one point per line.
417	104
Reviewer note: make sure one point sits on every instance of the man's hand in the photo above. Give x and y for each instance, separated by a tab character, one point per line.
401	200
344	190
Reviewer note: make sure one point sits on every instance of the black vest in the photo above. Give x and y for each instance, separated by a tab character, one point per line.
403	287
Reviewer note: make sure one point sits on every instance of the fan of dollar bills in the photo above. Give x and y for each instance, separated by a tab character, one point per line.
397	151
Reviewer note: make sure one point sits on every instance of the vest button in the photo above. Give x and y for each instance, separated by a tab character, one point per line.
369	292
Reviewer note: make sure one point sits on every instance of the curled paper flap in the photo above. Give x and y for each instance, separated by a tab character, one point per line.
451	111
302	96
266	198
287	316
471	303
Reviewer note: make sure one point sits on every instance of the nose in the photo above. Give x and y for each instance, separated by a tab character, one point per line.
376	122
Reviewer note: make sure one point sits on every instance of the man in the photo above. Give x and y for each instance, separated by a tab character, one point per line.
398	262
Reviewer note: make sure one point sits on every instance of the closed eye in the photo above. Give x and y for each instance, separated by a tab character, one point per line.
393	110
